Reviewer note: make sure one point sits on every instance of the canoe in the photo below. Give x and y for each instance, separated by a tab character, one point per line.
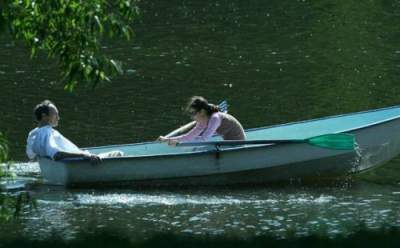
377	133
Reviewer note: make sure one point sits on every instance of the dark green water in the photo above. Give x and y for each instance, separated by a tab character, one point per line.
274	61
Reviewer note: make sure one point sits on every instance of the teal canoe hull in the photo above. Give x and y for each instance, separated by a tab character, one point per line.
377	133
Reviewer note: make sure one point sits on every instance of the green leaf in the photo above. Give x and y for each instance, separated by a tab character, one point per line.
102	75
33	52
101	29
117	66
88	70
3	149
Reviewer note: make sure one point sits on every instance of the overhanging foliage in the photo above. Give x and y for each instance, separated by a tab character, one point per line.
72	32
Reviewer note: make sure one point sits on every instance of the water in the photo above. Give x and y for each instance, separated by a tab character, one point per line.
244	212
274	62
281	211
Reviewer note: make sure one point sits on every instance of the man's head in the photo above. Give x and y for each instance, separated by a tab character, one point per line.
46	113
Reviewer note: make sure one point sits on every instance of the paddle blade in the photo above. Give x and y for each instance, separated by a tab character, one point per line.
223	106
339	141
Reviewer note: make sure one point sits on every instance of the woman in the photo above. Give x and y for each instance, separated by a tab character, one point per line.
209	121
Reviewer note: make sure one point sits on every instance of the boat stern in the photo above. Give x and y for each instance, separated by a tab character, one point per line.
53	173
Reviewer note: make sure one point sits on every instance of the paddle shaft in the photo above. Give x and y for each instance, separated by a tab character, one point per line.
181	130
240	142
339	141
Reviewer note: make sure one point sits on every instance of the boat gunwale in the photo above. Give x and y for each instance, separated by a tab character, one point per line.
336	116
241	147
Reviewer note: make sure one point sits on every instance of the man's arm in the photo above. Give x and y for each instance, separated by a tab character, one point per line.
92	157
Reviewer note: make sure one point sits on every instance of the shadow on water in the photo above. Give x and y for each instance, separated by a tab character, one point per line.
362	238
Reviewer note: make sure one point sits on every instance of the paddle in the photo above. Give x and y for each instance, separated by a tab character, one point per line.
223	107
338	141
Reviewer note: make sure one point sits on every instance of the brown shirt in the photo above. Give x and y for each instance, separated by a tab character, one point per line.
230	128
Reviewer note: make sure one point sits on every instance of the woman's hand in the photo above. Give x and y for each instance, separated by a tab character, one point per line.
162	139
172	142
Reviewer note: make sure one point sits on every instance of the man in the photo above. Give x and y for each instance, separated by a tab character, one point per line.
45	141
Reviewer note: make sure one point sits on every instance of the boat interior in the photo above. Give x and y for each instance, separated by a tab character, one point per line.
295	130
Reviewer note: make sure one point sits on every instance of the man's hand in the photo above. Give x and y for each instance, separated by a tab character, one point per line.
94	159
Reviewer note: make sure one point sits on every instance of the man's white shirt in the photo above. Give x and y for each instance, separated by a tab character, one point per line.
46	142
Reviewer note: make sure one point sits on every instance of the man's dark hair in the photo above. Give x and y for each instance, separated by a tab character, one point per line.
42	108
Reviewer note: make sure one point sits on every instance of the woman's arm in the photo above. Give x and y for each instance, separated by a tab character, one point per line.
191	135
213	125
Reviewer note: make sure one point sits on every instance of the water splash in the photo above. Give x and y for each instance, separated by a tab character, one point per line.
25	169
164	199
